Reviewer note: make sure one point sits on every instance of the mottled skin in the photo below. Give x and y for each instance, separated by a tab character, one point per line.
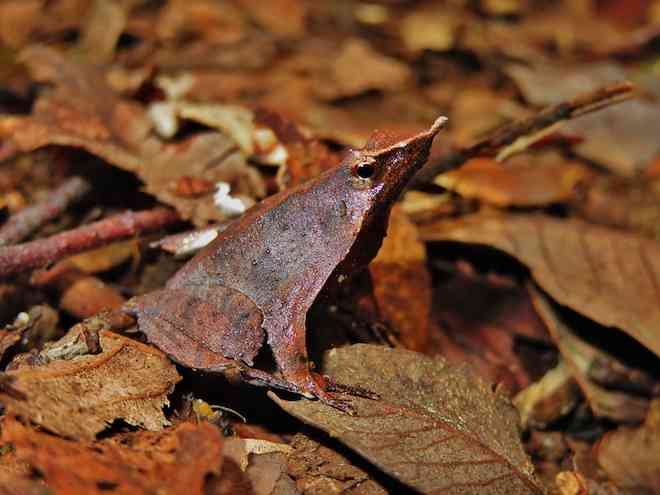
273	262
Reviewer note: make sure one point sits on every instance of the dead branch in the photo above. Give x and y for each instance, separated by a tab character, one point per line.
545	118
28	220
22	257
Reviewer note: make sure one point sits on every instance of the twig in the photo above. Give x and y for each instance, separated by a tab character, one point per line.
510	133
22	257
28	220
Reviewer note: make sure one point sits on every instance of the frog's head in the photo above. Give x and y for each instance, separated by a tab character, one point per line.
386	164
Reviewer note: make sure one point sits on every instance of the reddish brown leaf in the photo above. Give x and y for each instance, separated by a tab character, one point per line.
436	428
80	396
631	456
608	275
402	282
177	460
483	329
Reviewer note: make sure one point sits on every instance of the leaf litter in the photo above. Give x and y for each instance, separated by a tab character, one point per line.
210	108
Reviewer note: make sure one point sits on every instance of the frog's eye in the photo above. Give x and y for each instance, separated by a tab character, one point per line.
365	169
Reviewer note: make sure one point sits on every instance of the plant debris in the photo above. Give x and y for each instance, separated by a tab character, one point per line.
207	202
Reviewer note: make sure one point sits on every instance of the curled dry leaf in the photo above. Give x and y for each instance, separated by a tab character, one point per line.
81	396
435	428
631	456
524	181
609	276
581	357
83	111
177	460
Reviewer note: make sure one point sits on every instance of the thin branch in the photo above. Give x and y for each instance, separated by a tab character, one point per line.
34	254
28	220
510	133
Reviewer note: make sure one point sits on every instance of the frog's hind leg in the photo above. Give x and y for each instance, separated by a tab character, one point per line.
204	328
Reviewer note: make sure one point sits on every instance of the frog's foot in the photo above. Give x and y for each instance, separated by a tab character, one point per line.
322	388
312	386
333	386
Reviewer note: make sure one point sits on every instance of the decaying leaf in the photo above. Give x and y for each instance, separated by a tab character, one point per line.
605	274
83	111
436	428
579	356
80	396
631	456
177	460
318	469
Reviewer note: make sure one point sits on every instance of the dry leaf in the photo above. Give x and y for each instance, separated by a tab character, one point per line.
318	469
376	72
436	428
104	25
484	329
547	400
81	396
578	355
527	180
177	460
609	276
629	204
82	111
621	137
402	283
631	456
432	28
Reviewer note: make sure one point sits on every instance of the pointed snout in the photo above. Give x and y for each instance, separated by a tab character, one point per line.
403	159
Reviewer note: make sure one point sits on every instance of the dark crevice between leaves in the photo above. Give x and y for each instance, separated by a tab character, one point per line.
392	485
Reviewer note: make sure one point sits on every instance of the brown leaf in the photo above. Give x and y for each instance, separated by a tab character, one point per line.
436	428
620	137
377	72
631	456
82	111
88	296
629	204
177	460
81	396
402	282
526	180
318	469
484	329
608	275
581	357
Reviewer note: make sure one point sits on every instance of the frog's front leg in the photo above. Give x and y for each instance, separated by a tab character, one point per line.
290	352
